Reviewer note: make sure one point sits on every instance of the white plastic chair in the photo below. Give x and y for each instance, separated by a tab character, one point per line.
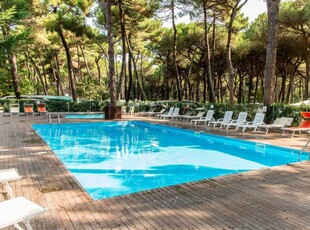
1	110
240	121
170	112
258	120
14	109
161	112
124	110
7	175
175	113
145	113
15	210
18	210
279	123
198	116
226	119
188	113
207	118
131	110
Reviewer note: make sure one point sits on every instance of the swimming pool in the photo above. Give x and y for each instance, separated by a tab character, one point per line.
84	116
115	158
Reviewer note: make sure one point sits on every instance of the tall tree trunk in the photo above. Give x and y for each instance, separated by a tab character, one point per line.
166	79
69	64
271	52
97	59
213	45
14	74
283	73
45	83
174	51
79	62
197	87
55	79
134	62
37	69
130	83
231	75
86	62
123	36
307	60
112	81
207	61
58	76
250	83
13	66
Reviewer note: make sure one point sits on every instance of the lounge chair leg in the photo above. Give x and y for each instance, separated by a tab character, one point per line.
19	227
293	134
28	226
9	190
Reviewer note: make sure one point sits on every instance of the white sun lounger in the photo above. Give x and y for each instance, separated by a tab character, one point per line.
188	113
278	123
240	120
304	126
174	114
226	119
207	118
258	120
145	113
150	114
7	175
170	112
14	109
199	115
18	210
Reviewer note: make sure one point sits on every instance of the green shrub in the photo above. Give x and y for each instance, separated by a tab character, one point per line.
56	105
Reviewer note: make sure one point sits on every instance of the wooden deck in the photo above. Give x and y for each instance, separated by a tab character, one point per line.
274	198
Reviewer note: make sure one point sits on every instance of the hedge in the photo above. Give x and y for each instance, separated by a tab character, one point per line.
274	111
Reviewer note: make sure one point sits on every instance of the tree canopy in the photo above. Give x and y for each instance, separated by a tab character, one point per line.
57	47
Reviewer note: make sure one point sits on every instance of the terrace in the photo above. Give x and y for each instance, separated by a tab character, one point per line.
273	198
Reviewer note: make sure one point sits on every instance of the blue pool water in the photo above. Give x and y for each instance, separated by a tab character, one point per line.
84	116
115	158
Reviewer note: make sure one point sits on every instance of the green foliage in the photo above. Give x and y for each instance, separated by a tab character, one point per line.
283	110
151	49
83	106
56	106
7	15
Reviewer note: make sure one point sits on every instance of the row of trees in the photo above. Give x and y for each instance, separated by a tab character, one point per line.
70	47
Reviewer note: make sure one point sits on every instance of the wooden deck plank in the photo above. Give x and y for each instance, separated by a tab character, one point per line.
272	198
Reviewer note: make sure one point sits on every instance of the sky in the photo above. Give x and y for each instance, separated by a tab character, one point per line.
253	8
